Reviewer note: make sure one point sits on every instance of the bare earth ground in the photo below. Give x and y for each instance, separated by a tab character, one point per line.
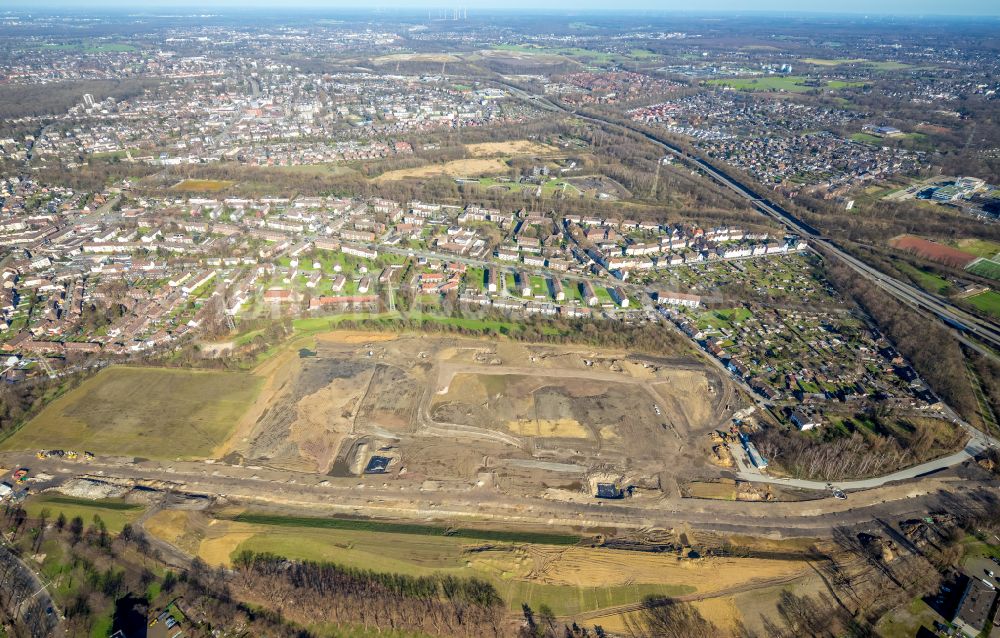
454	168
452	409
511	147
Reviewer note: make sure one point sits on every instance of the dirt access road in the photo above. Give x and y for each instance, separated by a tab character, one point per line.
376	497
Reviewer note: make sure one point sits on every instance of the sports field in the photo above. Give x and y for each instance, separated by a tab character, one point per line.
146	412
985	268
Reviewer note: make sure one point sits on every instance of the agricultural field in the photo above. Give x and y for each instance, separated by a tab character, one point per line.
201	185
576	54
570	579
142	412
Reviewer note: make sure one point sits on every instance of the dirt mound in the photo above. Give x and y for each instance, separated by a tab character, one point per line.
92	489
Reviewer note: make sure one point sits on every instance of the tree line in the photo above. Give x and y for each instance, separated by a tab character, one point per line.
326	592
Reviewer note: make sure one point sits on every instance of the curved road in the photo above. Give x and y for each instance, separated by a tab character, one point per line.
972	448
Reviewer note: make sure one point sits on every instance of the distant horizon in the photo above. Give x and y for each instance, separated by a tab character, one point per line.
847	8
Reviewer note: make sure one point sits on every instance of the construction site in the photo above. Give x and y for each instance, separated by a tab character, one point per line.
453	413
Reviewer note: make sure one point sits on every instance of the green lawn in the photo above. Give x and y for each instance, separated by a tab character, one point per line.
724	318
496	326
114	512
311	325
926	280
866	138
905	622
979	247
988	302
538	538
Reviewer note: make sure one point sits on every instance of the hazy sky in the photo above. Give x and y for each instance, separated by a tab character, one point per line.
882	7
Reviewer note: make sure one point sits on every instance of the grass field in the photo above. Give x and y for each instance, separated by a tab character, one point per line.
115	513
390	320
506	566
879	65
525	566
538	538
986	268
979	247
866	138
988	302
568	587
201	185
904	622
789	83
723	318
146	412
926	280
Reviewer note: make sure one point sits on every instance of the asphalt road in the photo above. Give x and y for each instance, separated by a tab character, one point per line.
749	473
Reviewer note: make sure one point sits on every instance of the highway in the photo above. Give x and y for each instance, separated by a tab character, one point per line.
967	327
